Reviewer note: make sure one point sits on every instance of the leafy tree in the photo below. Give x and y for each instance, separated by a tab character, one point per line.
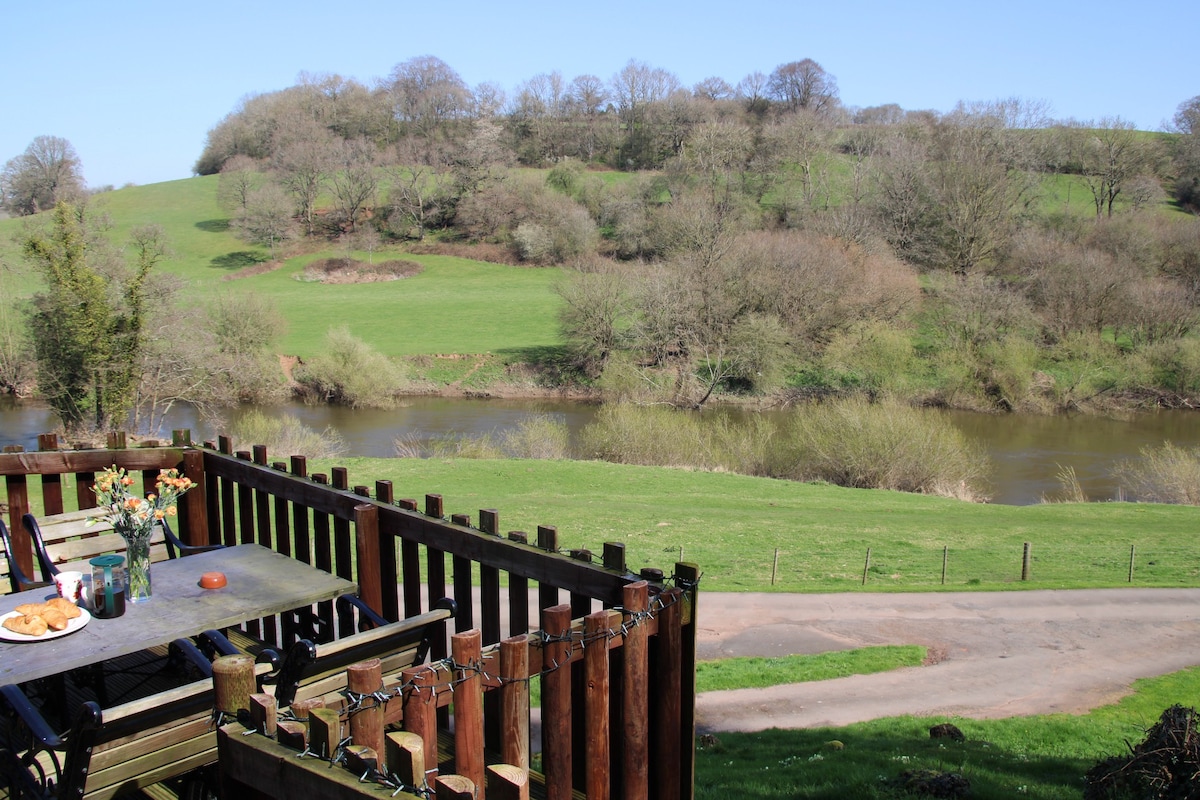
48	171
16	351
88	323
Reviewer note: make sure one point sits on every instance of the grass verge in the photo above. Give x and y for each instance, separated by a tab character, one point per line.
1037	757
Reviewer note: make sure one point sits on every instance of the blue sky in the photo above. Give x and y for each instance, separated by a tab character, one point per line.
135	86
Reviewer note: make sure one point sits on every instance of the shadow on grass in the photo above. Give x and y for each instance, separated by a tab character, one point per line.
869	764
239	259
552	363
213	225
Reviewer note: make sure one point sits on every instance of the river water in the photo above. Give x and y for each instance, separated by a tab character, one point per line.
1026	452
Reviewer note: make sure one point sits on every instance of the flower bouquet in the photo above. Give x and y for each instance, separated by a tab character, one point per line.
134	517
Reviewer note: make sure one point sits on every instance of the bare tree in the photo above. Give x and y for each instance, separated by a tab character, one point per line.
416	199
713	89
588	94
596	313
635	88
239	179
1113	153
267	219
753	92
48	171
354	180
426	93
719	154
803	84
304	164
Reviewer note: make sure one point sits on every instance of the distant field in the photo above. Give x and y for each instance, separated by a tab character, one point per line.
732	524
455	306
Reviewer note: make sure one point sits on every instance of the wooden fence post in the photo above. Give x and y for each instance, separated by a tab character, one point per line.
366	539
420	711
668	683
466	649
687	578
514	701
1026	561
366	724
595	658
635	696
556	702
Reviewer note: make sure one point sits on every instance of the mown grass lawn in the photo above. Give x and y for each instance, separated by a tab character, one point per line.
731	525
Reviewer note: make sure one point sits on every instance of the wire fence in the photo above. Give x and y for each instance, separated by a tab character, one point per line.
1019	565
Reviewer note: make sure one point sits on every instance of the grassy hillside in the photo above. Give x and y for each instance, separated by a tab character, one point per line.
454	306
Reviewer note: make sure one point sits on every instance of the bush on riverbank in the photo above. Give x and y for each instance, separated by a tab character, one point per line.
852	442
1165	474
286	434
350	372
885	445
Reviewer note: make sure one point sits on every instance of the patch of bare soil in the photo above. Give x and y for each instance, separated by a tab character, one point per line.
348	270
261	268
483	251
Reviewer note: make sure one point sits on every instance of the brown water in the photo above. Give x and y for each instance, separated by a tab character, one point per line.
1026	451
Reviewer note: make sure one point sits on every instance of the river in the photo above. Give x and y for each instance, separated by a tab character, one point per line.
1026	451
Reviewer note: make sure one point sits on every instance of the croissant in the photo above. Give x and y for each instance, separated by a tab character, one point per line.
65	606
30	626
30	609
56	619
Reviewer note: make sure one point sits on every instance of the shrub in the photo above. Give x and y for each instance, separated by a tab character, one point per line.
884	445
871	355
651	436
285	434
1165	474
350	372
537	436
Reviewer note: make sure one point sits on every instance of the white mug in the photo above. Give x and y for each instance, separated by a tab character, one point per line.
69	585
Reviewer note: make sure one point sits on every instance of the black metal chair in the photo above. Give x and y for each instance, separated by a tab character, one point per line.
17	580
62	774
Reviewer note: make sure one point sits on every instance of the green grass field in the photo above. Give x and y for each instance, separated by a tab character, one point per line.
731	525
454	306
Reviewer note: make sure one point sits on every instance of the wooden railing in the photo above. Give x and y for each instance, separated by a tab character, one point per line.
365	534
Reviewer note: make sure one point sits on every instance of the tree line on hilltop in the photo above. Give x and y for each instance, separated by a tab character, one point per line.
758	237
770	236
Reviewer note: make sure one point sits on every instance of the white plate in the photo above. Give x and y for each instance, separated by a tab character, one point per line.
72	625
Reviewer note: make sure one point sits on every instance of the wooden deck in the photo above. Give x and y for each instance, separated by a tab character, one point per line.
368	535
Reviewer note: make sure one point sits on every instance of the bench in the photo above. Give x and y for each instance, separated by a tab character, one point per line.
316	670
67	542
134	745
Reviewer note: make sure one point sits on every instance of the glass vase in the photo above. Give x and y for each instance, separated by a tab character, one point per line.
137	569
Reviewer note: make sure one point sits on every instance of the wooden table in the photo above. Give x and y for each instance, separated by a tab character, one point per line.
261	582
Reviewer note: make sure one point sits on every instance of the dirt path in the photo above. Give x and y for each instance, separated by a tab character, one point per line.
996	654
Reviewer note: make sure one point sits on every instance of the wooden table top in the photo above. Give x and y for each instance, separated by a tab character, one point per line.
260	582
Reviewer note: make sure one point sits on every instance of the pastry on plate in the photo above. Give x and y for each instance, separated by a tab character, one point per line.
27	624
